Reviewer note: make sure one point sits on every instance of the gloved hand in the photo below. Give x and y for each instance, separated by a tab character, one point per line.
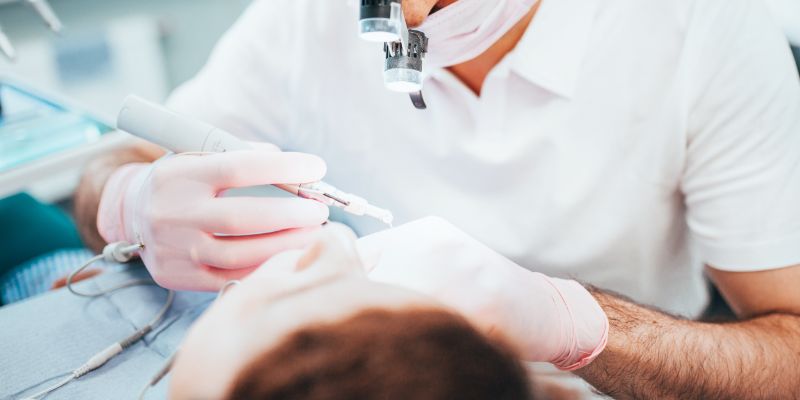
195	240
548	319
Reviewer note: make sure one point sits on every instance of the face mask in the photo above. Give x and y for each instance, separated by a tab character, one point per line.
467	28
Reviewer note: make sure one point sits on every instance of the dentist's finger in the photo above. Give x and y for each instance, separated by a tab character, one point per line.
250	251
254	168
255	215
264	146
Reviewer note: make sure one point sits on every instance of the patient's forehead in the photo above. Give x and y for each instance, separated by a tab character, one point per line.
330	303
240	327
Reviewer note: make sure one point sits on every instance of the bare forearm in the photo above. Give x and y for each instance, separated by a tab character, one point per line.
653	355
90	189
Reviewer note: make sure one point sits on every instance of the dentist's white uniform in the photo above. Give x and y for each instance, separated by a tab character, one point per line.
624	144
787	14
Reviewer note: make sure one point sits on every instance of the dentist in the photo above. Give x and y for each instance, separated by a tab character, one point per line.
639	147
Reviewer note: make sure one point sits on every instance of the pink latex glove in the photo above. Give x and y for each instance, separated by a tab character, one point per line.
548	319
195	240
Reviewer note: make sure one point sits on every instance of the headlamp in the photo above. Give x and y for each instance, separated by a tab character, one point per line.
383	21
403	67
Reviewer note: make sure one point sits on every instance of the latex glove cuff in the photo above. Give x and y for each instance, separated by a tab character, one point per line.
110	212
586	325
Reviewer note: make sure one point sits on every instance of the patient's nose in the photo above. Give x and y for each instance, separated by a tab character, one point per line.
335	250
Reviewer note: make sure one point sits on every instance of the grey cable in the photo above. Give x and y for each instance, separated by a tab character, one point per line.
52	388
158	376
120	252
168	364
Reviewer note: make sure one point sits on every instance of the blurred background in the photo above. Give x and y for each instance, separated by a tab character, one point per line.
107	50
58	99
110	48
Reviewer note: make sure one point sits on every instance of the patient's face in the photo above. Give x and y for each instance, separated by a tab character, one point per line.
324	284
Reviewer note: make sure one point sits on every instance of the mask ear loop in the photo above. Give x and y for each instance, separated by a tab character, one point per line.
165	369
224	289
159	375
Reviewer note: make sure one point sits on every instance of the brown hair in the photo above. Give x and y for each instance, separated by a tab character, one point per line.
379	354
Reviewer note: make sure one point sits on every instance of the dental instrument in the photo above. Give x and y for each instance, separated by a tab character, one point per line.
42	7
6	47
181	134
46	13
404	49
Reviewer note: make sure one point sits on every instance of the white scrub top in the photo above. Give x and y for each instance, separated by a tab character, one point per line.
787	14
622	143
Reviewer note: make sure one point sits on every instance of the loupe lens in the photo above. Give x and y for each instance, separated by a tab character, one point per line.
402	70
403	80
378	30
375	21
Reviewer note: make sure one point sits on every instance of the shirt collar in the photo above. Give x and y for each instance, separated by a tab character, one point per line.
551	51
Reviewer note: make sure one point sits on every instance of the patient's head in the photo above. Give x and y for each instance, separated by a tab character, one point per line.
378	354
311	325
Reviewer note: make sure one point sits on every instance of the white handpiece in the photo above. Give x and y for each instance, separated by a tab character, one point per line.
173	131
182	134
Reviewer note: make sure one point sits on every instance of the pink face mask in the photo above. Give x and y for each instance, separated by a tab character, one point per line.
467	28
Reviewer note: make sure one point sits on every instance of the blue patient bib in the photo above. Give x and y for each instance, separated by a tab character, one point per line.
46	337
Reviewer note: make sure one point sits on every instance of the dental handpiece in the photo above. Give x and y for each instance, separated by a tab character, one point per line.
182	134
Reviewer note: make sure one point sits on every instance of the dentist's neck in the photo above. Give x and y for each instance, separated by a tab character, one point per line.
473	72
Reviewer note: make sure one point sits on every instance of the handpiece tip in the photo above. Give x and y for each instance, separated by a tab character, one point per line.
349	202
380	214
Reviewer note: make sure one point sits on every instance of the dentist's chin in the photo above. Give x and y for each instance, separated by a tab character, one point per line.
416	11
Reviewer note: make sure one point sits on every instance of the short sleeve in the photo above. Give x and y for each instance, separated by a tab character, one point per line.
741	182
243	87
